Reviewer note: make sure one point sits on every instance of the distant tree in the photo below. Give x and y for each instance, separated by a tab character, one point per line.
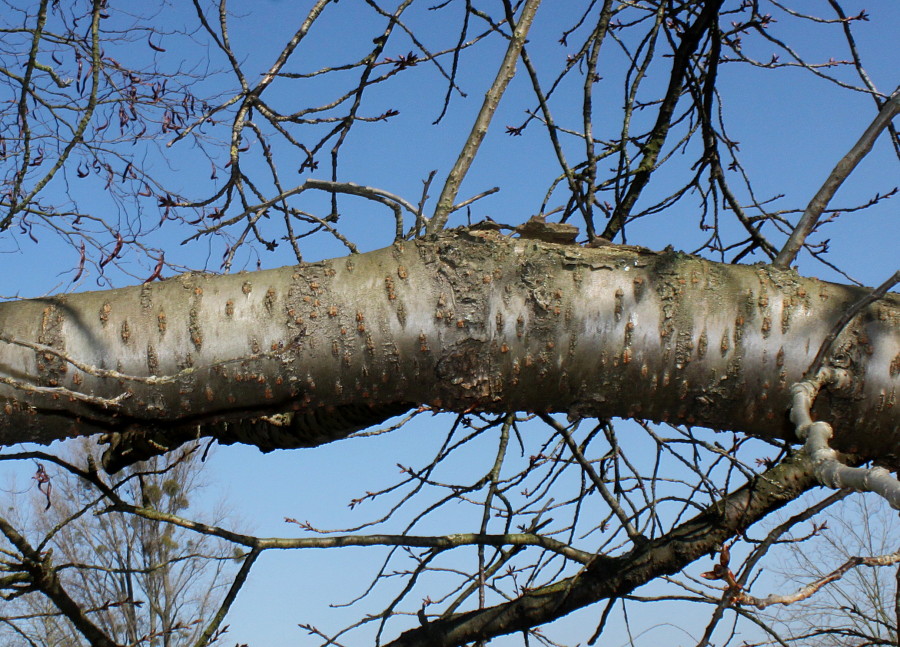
850	567
140	582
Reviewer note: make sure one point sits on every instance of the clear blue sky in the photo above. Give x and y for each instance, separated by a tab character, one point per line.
792	128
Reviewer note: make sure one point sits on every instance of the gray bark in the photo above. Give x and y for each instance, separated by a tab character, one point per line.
303	355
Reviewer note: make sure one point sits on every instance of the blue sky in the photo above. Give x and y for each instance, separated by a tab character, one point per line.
792	128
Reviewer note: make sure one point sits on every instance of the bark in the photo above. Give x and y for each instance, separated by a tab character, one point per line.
302	355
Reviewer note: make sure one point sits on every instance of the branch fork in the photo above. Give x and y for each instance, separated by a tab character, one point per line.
827	466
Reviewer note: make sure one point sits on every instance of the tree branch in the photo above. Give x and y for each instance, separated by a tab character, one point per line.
810	589
45	579
690	40
828	469
479	129
608	577
841	171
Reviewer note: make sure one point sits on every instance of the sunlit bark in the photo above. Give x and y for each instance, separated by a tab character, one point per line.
470	319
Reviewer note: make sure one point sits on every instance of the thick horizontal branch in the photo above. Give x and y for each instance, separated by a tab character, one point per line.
468	320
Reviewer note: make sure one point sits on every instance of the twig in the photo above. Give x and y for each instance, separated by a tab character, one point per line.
393	202
851	312
466	203
45	579
857	63
420	208
479	129
57	391
841	171
204	639
652	147
439	542
633	533
808	590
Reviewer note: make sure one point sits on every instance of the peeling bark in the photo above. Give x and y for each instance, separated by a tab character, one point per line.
302	355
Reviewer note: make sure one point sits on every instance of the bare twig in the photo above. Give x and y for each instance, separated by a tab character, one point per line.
633	533
851	312
841	171
810	589
57	391
204	638
863	75
690	41
444	542
45	579
479	129
393	202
